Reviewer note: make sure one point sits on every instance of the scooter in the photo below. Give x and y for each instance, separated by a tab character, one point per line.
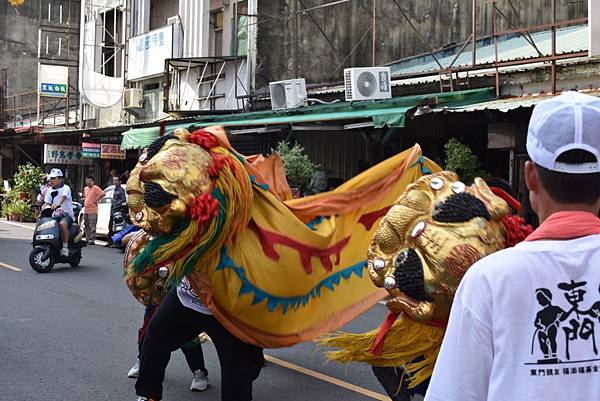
120	219
47	244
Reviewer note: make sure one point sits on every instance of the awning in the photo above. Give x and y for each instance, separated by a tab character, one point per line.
383	113
507	104
139	138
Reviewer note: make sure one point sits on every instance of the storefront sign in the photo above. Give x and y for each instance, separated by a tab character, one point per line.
90	150
148	52
109	151
53	80
64	154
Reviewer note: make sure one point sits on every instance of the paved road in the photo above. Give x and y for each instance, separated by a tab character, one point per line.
70	335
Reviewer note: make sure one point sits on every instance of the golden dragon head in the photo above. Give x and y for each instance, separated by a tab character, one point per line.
190	193
424	245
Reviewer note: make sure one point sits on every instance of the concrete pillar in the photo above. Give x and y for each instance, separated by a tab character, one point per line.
594	27
195	19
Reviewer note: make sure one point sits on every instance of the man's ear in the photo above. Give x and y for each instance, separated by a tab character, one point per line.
532	178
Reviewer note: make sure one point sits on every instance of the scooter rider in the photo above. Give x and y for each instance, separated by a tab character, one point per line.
62	205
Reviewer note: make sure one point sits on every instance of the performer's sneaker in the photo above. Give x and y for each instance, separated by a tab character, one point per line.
135	370
200	381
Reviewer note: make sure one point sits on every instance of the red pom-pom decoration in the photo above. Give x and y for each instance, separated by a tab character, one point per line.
516	229
204	139
204	207
219	162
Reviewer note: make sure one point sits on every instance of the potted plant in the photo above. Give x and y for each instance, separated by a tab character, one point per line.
299	169
22	210
28	179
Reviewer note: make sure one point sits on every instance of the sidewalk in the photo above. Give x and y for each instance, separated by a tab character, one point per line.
30	226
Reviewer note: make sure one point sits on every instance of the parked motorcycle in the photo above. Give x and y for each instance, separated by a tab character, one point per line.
47	244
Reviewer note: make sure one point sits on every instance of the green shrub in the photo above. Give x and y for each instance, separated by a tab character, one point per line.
299	169
461	160
28	179
22	208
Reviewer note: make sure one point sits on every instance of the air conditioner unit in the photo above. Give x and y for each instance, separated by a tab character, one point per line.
133	99
370	83
288	94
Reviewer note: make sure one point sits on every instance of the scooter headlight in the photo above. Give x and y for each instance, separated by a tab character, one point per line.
46	225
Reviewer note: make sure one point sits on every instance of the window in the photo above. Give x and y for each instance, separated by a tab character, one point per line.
241	35
216	23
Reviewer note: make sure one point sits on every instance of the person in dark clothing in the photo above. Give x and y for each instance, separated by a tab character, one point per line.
192	351
173	325
118	199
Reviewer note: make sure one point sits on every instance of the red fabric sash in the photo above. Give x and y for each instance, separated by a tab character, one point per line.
566	225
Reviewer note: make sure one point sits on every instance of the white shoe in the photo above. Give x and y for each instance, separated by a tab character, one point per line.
200	381
140	398
64	252
134	372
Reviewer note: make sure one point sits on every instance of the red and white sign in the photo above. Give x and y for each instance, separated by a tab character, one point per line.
110	151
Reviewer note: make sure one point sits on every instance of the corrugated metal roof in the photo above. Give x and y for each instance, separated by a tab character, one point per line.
507	104
568	40
510	48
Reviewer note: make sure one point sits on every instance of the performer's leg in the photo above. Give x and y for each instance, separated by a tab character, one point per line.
194	356
240	363
389	378
171	326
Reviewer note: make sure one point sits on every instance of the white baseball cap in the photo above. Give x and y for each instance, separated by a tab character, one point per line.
570	121
55	172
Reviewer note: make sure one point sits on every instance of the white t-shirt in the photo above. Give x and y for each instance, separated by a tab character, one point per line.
66	207
189	298
525	326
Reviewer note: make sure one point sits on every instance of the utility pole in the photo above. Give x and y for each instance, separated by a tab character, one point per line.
295	44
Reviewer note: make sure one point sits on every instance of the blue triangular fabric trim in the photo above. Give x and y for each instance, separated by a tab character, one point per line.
262	186
421	162
314	222
273	301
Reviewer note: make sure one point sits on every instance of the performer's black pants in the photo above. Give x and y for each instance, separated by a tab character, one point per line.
191	350
174	325
395	387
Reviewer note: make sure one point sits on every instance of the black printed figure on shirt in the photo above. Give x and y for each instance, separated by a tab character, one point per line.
547	322
551	317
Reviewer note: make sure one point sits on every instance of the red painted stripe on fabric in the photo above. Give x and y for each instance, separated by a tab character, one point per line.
269	239
369	219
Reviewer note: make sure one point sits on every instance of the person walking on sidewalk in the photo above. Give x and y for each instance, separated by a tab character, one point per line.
524	321
91	194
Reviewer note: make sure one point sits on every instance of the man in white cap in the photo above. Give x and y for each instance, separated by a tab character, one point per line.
60	198
524	323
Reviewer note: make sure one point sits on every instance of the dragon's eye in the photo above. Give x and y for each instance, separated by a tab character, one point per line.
436	183
458	187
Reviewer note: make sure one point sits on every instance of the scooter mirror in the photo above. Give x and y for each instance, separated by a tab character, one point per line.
53	194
